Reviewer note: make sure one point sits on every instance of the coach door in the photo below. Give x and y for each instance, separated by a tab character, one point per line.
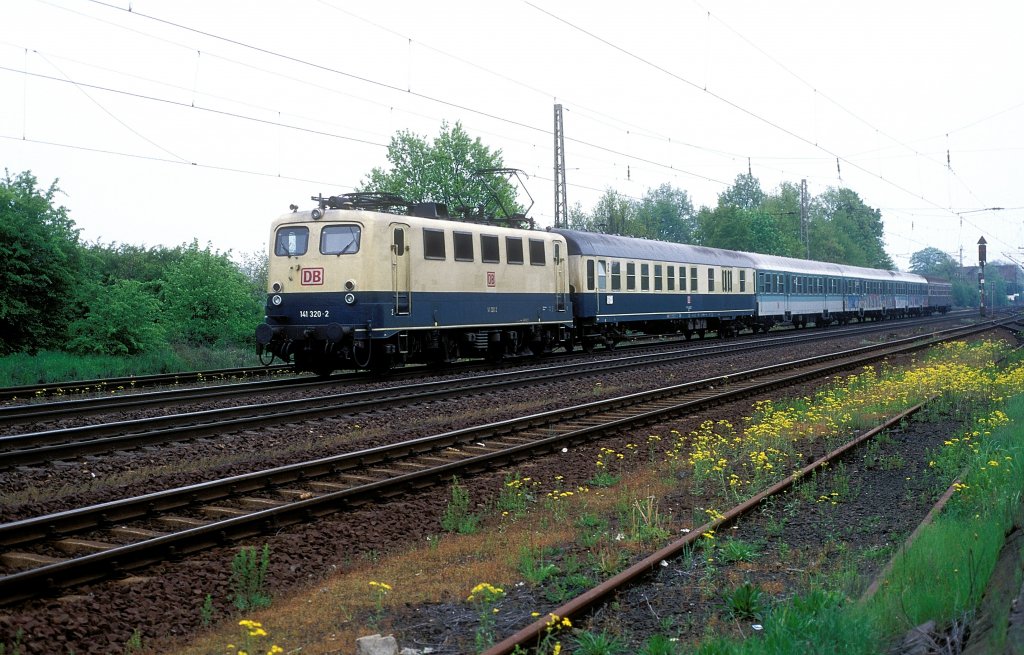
559	279
401	280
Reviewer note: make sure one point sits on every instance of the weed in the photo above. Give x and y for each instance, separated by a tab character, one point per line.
134	643
600	643
658	645
736	550
485	597
533	568
645	521
516	494
249	577
456	516
206	611
745	601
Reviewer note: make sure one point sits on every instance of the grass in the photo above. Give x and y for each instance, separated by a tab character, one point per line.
51	367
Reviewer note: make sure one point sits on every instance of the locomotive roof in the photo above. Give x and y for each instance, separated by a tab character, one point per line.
595	244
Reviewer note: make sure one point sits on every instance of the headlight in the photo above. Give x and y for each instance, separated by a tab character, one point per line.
275	300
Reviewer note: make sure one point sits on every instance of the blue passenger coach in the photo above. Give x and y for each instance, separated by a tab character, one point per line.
620	283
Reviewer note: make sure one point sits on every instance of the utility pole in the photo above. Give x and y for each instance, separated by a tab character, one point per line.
804	231
561	205
981	273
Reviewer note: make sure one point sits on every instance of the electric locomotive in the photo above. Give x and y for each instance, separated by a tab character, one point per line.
369	281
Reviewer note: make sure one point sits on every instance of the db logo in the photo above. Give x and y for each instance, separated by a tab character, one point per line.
491	280
312	276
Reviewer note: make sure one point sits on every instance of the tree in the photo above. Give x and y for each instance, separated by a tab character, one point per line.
847	231
615	214
745	193
932	261
445	171
666	214
39	264
122	319
207	300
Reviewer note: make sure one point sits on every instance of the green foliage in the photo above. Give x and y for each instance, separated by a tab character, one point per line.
249	578
659	645
445	171
599	643
532	566
456	517
736	550
745	601
207	300
39	265
134	643
121	319
206	611
932	261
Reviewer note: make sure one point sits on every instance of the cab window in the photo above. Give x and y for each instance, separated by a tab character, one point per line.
291	241
339	239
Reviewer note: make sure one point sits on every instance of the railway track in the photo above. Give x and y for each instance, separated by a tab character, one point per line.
121	536
116	394
32	448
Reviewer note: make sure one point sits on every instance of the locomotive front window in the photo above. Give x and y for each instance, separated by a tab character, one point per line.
291	241
339	239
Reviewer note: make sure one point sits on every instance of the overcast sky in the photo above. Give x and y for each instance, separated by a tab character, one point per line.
168	121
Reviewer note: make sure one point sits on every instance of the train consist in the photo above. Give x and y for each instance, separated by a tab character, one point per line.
369	281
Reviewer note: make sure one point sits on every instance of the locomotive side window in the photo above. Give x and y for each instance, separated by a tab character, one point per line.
711	280
630	276
463	242
399	241
645	277
433	244
616	276
514	250
670	278
291	241
489	249
339	239
537	252
657	277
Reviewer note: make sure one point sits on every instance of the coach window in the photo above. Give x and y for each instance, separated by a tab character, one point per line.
339	239
537	252
670	278
693	279
433	244
291	241
489	249
463	242
590	275
682	278
711	280
743	281
630	276
616	276
645	277
657	277
514	250
602	275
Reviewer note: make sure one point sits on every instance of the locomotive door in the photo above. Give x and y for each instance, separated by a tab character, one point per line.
559	279
401	273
